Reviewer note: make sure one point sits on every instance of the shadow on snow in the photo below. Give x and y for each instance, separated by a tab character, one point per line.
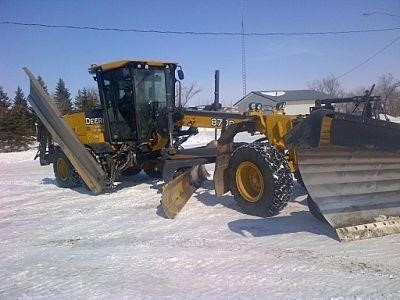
301	221
123	182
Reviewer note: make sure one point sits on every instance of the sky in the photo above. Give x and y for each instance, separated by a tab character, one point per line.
278	62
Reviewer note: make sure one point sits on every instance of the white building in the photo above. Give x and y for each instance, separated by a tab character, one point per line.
297	101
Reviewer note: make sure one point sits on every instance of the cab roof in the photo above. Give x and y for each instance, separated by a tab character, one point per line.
120	63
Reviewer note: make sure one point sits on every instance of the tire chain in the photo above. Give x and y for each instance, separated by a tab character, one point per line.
283	181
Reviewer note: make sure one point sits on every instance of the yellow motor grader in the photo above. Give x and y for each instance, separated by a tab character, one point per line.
348	163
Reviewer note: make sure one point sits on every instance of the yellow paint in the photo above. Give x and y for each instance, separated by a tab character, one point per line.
325	137
158	142
249	181
277	126
210	121
291	158
92	133
62	169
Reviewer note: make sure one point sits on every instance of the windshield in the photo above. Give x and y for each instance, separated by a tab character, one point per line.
150	86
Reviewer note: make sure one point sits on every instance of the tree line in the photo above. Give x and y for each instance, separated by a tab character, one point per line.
18	121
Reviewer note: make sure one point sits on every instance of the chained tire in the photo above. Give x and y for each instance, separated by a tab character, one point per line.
314	210
66	175
260	179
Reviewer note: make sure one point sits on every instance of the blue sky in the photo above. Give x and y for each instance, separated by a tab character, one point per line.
273	62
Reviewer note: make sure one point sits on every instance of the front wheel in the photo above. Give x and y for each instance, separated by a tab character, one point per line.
260	179
66	175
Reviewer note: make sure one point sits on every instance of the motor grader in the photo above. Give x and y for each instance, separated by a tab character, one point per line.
348	162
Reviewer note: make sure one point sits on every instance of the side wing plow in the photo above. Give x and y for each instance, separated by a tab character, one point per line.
86	166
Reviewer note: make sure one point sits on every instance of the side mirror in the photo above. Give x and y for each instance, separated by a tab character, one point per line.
181	76
280	105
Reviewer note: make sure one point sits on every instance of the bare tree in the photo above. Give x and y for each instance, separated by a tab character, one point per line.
388	87
358	91
329	85
189	92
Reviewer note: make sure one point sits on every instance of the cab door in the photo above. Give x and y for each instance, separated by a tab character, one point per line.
151	99
119	105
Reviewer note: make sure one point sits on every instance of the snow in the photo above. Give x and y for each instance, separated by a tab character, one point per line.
390	118
67	244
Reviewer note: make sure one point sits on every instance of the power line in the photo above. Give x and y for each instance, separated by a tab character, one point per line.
370	13
242	34
369	58
94	28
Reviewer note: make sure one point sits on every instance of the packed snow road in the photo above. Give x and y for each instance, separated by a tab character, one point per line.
67	243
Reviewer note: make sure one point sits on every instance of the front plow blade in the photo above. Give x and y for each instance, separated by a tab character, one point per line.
357	191
178	191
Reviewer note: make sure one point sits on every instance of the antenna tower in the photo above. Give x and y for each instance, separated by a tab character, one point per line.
243	52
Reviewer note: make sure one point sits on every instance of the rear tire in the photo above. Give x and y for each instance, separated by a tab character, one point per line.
66	175
314	210
260	179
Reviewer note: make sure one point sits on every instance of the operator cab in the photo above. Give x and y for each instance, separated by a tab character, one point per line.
133	94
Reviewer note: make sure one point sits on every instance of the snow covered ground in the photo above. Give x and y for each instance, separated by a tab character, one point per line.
66	243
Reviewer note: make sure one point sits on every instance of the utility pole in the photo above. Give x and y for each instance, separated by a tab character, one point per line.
243	52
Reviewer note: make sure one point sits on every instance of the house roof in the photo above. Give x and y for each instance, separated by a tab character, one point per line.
288	95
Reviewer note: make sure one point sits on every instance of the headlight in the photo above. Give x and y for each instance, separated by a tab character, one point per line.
252	106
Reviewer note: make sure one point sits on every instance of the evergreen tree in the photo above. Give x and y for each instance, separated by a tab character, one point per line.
4	117
62	97
17	125
86	99
44	86
22	115
4	102
19	99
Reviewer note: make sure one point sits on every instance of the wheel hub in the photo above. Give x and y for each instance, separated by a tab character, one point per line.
249	181
62	168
